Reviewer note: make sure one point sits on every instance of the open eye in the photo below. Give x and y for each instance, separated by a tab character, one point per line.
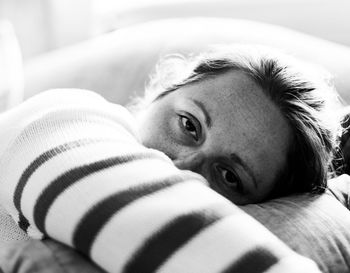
189	126
230	179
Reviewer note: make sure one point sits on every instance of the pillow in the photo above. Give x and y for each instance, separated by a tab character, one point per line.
115	65
9	230
19	253
34	256
316	226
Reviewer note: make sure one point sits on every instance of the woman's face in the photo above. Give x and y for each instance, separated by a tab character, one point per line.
225	129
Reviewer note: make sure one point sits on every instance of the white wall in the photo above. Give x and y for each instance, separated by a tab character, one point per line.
43	25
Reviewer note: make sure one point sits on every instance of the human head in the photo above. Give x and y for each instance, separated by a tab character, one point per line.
299	95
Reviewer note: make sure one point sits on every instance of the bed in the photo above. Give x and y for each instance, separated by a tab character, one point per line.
316	226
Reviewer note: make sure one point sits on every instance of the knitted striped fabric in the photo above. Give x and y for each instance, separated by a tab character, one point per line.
73	170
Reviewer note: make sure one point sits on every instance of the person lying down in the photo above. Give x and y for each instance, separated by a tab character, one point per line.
156	191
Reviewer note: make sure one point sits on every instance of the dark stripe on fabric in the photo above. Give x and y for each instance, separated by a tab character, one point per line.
254	261
164	243
57	186
91	224
23	222
40	160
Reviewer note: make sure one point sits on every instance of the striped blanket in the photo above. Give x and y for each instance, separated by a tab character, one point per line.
72	169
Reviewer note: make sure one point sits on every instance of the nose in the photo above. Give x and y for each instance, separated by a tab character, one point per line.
192	162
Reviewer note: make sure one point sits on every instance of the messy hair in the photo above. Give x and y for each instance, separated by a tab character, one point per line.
303	94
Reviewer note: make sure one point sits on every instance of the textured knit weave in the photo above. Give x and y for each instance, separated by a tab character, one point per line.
72	169
9	231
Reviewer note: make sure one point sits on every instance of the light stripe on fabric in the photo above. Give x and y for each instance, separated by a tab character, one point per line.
99	186
34	165
223	242
137	222
98	216
67	179
256	260
169	239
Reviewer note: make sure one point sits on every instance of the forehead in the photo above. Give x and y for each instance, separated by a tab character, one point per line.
244	120
234	96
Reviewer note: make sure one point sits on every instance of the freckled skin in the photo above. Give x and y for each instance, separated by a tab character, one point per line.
244	122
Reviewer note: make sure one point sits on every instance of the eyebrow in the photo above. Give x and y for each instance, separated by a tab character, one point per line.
207	117
239	161
234	157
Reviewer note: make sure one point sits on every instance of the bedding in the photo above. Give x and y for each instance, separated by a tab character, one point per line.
115	65
313	225
83	179
316	226
105	64
46	256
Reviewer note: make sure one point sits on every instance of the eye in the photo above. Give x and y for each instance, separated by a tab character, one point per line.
189	127
230	179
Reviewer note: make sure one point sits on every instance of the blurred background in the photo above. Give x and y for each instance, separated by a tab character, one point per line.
30	28
43	25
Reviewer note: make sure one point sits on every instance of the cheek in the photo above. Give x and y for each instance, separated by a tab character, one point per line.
157	132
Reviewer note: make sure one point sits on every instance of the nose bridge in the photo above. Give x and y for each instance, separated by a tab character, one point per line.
191	161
